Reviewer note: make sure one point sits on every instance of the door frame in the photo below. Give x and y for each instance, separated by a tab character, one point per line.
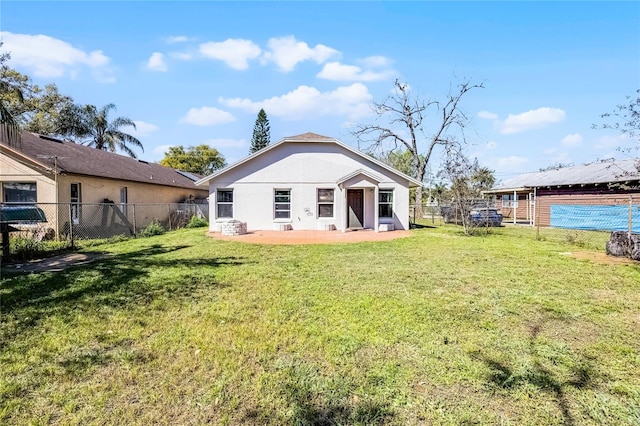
361	191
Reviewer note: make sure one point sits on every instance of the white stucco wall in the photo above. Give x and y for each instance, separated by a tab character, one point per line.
303	168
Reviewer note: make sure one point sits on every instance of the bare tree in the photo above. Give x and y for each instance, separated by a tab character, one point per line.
406	116
467	180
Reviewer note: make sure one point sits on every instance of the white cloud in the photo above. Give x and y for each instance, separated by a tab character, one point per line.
336	71
491	145
156	62
207	116
375	62
177	39
226	143
50	57
287	52
512	162
236	53
307	102
533	119
183	56
572	140
142	129
487	115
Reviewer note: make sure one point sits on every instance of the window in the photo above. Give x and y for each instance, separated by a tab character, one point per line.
224	205
282	204
75	203
124	199
508	201
19	192
325	202
385	203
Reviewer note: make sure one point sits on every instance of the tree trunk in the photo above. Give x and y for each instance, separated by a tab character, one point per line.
422	169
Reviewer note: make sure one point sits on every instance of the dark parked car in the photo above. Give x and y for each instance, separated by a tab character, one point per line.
479	214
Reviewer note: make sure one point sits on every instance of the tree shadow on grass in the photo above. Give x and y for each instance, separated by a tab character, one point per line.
317	399
119	282
505	377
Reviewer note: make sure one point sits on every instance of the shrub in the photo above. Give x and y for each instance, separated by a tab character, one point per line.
24	248
154	228
197	222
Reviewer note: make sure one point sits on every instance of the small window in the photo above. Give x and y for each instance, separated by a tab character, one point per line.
385	203
509	201
282	204
19	192
124	200
325	202
75	203
224	204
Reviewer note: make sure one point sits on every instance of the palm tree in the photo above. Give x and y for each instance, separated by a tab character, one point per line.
92	125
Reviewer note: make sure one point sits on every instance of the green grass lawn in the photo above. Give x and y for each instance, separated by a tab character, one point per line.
436	328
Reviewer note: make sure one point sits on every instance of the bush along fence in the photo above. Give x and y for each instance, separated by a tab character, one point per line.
29	229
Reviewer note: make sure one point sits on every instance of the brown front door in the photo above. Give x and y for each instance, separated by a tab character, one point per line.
355	203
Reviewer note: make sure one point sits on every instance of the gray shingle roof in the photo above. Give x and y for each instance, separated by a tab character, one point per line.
603	172
72	158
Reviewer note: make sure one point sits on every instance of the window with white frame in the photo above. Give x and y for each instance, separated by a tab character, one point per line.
75	202
325	202
19	192
509	201
385	203
224	203
282	204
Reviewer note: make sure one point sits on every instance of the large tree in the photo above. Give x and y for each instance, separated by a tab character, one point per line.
94	128
201	159
261	133
406	120
9	128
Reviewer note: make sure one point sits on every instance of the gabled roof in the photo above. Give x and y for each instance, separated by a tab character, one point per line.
357	173
310	138
594	173
51	155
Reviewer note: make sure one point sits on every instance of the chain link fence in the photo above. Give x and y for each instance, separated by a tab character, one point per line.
580	220
45	227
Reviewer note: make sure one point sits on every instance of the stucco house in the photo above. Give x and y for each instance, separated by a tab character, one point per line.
309	182
593	196
42	169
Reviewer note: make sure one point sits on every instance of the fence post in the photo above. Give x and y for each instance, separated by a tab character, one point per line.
630	219
133	208
169	215
71	227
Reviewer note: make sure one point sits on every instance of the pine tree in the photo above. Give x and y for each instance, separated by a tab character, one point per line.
261	133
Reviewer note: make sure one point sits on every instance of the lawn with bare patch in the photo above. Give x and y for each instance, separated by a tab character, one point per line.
435	328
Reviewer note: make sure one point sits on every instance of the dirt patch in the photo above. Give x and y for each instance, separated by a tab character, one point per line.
600	258
311	237
52	264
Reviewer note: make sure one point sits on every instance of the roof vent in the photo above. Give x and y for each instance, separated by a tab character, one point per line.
143	162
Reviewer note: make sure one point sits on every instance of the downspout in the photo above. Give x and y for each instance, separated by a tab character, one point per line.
376	211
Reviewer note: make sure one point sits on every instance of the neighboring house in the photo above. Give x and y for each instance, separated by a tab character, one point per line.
41	169
310	181
592	196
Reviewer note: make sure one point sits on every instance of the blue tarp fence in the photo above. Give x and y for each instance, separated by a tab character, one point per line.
595	218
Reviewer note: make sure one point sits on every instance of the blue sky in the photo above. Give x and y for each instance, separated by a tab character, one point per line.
198	72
